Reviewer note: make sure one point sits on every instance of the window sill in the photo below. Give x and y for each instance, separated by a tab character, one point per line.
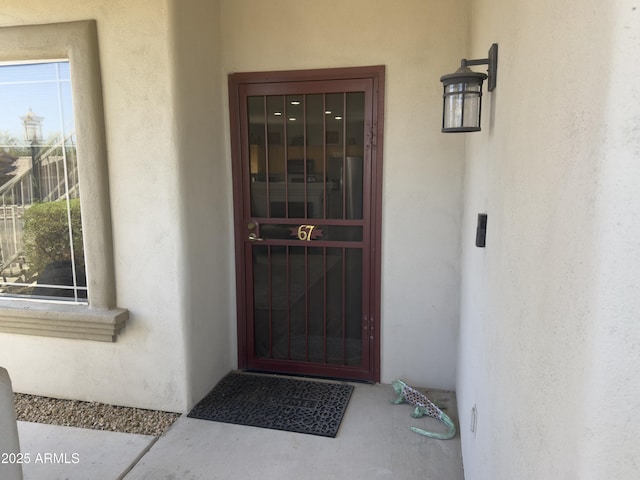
62	320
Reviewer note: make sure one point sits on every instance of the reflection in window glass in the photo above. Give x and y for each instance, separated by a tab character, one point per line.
41	250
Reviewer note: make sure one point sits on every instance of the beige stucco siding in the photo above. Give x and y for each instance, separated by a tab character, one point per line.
143	367
164	71
538	330
550	340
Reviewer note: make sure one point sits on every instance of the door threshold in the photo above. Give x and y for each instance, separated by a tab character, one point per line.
308	376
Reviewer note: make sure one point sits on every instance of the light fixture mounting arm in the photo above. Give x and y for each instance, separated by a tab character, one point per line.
492	65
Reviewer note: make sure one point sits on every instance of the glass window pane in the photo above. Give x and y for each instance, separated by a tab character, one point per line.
276	154
297	164
344	306
334	115
41	250
257	158
354	168
263	306
315	155
353	307
345	140
276	117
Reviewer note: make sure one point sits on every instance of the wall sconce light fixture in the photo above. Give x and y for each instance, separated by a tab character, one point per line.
462	104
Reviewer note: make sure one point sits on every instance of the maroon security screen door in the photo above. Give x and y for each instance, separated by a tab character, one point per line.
307	207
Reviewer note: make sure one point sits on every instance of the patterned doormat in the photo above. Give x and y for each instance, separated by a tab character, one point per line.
278	403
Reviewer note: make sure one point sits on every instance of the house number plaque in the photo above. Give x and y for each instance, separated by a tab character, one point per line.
306	233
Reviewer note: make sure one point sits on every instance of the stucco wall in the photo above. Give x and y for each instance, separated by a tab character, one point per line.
205	195
164	67
423	169
146	366
549	331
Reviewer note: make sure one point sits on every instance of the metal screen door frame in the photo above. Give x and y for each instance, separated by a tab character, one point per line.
248	222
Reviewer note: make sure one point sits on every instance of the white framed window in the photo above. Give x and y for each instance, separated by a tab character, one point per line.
71	49
41	244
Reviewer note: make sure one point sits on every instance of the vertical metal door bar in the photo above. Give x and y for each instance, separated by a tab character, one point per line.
288	285
306	302
325	175
324	303
344	304
286	159
344	156
306	215
266	154
304	153
344	216
270	295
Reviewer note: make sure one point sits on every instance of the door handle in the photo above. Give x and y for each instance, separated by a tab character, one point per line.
254	238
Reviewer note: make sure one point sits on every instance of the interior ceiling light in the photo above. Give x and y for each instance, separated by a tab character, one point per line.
462	103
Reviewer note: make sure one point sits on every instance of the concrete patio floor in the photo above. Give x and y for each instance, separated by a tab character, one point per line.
374	441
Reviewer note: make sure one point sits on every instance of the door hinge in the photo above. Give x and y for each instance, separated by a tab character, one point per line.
369	326
374	134
371	140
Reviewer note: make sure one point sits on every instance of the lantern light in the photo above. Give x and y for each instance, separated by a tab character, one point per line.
462	99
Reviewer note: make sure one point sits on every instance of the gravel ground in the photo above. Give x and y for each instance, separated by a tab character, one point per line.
97	416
